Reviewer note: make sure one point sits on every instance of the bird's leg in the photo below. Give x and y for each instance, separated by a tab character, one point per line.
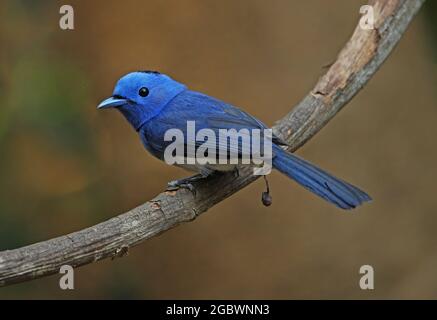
187	183
266	197
236	172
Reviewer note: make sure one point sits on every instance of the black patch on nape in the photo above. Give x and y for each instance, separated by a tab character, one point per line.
149	72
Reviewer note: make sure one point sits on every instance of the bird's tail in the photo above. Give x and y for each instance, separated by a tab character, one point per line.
330	188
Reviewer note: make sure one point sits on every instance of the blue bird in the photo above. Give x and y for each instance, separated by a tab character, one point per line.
154	103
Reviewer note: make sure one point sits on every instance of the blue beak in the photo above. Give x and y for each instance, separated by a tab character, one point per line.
112	102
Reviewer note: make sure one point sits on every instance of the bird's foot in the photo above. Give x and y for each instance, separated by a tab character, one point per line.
186	183
176	185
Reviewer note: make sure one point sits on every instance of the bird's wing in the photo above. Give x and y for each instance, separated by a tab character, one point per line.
235	118
208	113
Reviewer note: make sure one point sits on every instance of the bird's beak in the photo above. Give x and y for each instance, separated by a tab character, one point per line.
112	102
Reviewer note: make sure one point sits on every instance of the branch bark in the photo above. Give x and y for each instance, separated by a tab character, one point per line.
360	58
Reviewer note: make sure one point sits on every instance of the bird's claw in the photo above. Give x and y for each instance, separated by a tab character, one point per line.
176	185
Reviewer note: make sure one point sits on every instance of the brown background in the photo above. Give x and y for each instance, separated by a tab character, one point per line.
65	166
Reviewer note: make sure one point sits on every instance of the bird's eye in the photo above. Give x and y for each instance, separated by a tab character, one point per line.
144	92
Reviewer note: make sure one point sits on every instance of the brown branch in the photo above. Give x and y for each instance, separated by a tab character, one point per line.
362	55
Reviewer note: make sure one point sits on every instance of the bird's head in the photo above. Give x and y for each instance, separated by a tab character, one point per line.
142	95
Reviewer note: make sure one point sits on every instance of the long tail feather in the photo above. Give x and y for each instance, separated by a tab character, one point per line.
326	186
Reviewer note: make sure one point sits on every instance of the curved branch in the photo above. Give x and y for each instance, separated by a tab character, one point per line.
362	55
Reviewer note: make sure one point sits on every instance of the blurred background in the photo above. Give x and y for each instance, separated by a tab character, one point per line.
65	166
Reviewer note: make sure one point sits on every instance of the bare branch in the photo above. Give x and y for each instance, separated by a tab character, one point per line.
360	58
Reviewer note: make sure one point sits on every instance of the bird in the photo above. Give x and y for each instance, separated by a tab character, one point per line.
153	103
